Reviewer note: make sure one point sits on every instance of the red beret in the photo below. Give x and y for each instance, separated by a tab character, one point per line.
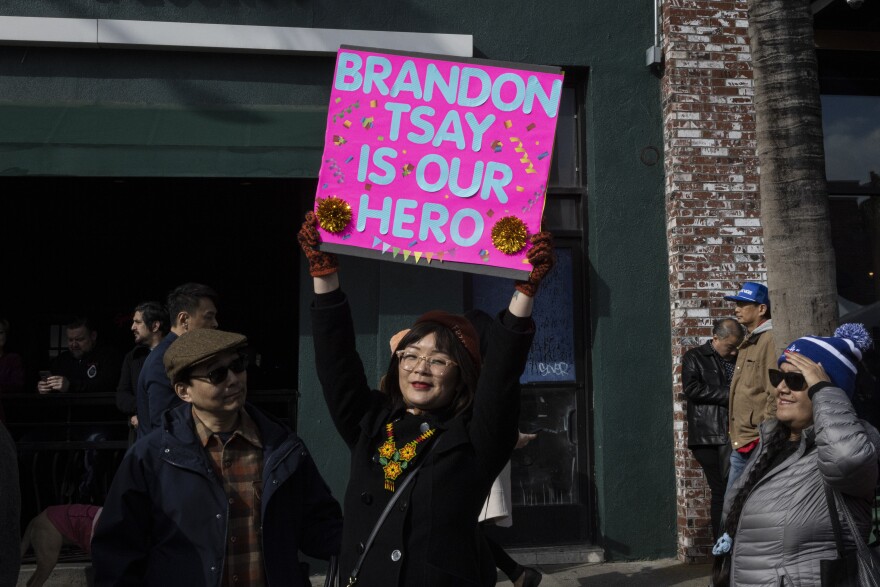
460	326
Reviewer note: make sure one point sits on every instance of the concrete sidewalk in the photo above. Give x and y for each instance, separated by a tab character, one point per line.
654	573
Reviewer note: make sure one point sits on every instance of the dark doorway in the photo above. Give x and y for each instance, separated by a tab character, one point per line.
99	246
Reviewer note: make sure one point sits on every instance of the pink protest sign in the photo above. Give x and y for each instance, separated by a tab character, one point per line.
435	161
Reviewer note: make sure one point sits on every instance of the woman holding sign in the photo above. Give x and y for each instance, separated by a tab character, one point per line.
428	445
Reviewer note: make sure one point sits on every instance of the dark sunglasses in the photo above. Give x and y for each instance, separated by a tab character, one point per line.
794	381
219	375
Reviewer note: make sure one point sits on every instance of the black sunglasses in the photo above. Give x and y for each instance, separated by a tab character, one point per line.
794	381
218	375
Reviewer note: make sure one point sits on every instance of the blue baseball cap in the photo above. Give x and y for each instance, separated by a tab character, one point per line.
754	293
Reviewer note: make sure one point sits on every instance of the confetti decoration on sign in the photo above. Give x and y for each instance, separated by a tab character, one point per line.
339	140
333	166
407	169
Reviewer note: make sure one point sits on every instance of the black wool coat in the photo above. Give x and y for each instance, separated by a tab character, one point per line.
431	537
708	394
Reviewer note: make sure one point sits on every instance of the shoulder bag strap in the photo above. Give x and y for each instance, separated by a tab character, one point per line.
868	563
835	520
353	578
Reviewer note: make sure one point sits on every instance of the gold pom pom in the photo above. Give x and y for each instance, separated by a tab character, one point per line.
334	214
509	235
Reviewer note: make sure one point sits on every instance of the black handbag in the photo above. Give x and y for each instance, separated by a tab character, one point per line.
860	568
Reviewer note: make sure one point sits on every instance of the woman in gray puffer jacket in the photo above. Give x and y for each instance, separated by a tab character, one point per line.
776	515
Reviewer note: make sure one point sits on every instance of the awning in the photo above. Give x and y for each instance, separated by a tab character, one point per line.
151	141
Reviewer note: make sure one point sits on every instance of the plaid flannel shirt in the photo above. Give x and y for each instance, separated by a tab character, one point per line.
238	463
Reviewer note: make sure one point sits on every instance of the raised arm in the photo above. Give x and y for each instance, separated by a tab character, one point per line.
323	266
494	427
339	367
847	452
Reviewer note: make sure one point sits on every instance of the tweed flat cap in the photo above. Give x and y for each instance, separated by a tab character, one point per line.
197	346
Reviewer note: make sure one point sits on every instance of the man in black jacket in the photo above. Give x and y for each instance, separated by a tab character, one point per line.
149	325
86	365
706	372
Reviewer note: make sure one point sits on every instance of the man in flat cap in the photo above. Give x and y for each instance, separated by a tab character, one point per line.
219	493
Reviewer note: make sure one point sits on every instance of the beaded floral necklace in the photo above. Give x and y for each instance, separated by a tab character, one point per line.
395	460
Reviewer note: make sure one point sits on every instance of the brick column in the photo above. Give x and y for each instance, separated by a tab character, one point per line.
713	225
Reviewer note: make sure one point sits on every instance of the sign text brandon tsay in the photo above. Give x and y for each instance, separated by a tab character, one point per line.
430	153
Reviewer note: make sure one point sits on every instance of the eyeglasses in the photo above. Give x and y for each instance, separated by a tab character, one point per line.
794	381
437	366
219	375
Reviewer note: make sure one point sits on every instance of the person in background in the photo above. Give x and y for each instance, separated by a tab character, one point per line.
10	510
149	325
190	306
437	398
218	493
777	525
11	367
86	365
752	396
706	372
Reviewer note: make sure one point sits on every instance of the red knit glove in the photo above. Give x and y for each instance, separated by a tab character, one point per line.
542	257
320	263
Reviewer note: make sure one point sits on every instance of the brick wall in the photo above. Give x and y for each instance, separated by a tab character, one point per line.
713	229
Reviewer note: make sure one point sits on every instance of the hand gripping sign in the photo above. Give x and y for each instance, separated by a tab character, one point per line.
435	161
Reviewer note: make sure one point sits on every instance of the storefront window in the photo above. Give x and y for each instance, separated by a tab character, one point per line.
546	474
852	166
851	125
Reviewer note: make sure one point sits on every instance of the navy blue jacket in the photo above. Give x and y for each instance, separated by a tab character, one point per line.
165	519
154	391
126	389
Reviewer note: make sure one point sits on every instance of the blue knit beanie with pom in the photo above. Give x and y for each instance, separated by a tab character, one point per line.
839	354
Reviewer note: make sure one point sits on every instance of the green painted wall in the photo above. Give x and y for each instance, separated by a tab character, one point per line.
625	212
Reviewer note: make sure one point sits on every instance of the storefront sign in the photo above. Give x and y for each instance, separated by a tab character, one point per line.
436	162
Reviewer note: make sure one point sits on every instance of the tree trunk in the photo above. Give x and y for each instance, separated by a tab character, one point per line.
794	195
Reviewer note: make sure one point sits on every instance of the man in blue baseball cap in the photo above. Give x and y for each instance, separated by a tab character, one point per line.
752	396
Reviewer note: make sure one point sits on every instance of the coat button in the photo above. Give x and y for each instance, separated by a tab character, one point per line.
395	555
366	498
361	548
403	506
219	516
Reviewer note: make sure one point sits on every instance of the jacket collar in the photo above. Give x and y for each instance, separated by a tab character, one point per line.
179	436
764	327
453	429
